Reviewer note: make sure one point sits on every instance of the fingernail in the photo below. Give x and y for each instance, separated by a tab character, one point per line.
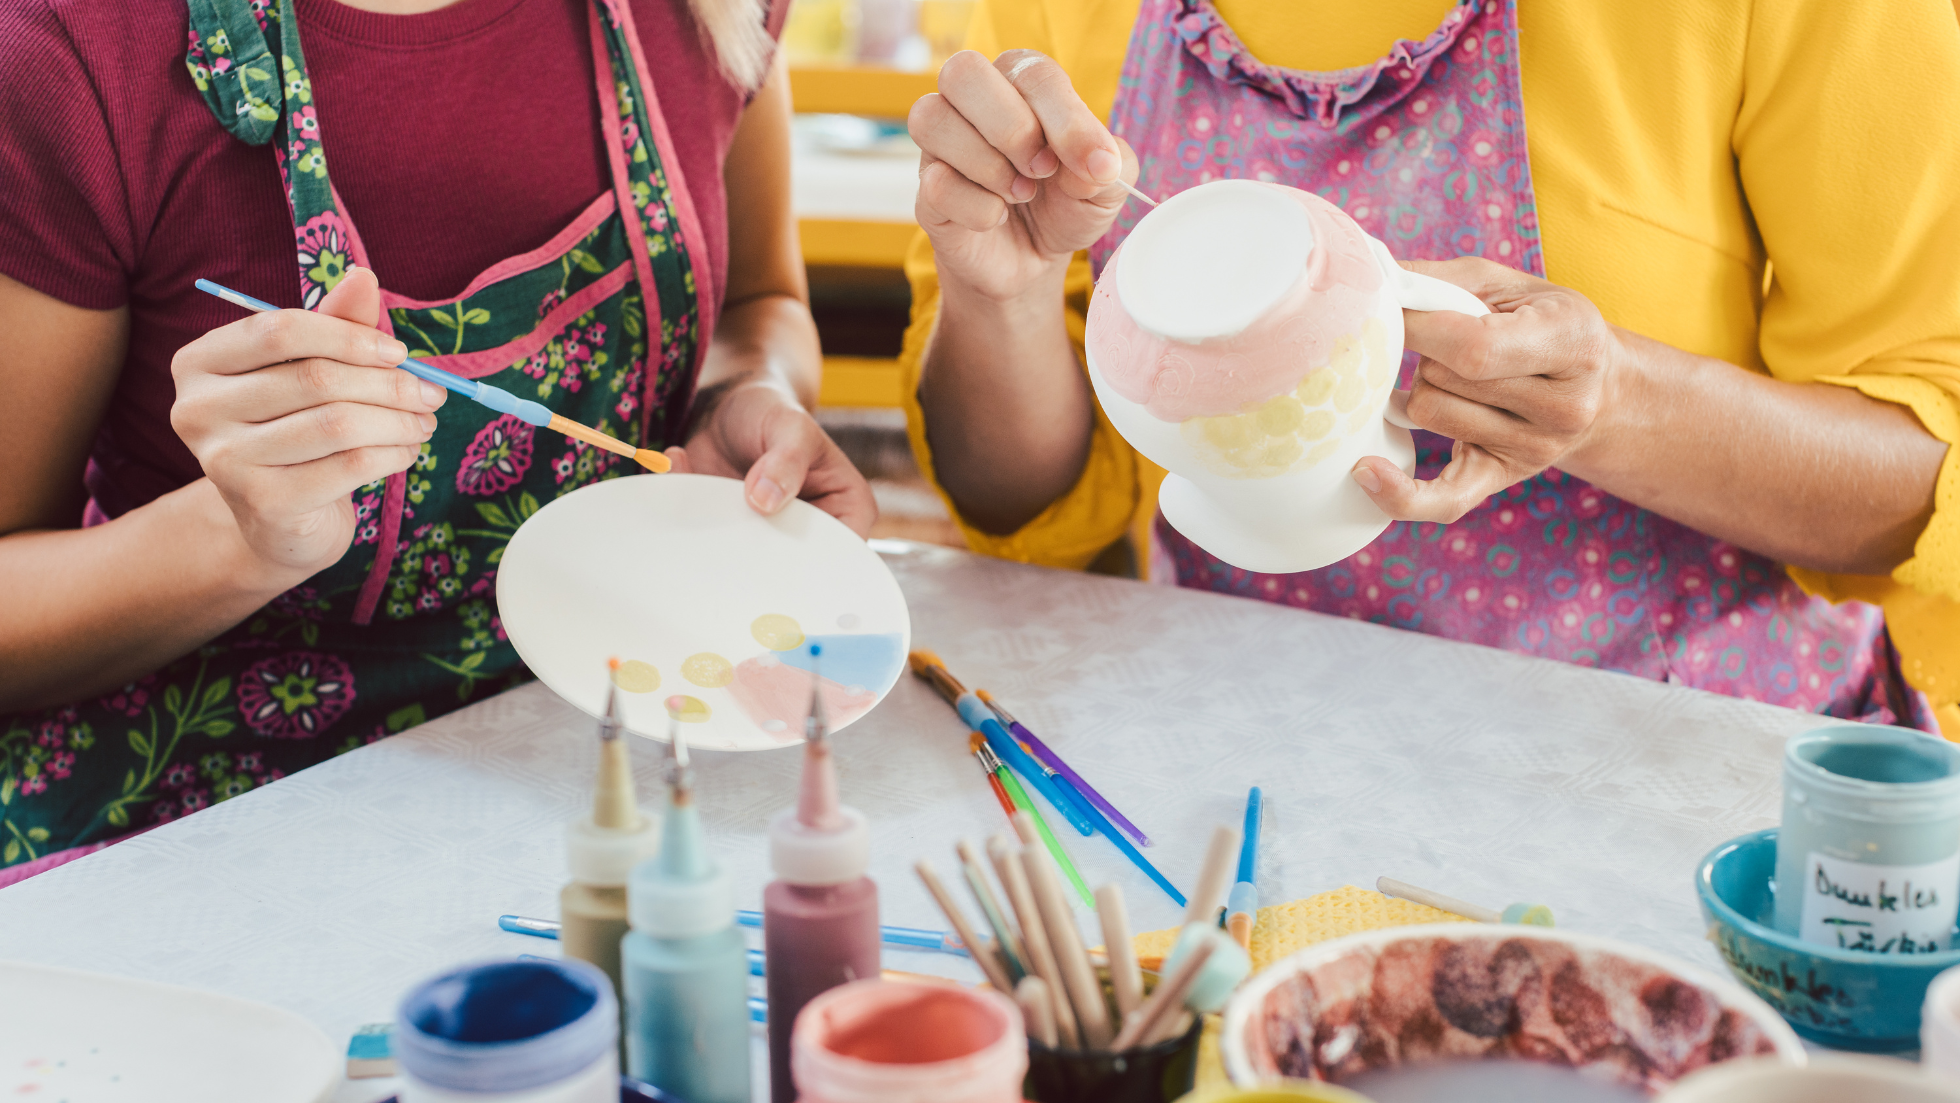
391	351
1104	165
1368	481
1044	164
429	423
431	393
1023	189
768	497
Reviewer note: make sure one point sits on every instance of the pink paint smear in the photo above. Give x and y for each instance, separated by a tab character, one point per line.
769	689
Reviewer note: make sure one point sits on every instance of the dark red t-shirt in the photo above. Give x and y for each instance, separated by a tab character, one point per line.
456	138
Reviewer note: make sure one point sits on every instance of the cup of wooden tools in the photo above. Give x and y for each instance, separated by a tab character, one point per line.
1096	1031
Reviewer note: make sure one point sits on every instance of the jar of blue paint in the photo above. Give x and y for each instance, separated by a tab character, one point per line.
528	1031
1868	858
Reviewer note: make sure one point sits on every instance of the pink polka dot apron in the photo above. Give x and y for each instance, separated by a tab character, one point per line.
1425	148
600	324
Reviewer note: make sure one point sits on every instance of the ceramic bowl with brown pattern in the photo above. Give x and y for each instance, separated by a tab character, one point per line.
1456	992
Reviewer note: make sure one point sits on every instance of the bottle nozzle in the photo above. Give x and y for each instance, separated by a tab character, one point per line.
614	803
816	802
679	778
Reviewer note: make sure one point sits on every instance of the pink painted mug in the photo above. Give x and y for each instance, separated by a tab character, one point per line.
1246	337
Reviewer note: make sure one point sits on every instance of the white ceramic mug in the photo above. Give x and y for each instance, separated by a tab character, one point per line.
1246	337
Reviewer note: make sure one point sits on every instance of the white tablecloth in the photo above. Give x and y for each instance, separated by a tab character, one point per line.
1482	774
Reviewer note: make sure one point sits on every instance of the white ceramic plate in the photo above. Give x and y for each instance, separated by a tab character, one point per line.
678	577
86	1037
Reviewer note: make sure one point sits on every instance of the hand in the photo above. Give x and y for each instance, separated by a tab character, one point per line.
1518	389
756	432
1015	173
290	412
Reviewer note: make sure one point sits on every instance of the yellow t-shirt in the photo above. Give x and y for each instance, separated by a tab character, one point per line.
1678	148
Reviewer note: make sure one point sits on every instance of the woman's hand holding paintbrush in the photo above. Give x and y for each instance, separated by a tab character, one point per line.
289	412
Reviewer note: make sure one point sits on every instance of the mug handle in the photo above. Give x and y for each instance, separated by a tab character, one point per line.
1418	292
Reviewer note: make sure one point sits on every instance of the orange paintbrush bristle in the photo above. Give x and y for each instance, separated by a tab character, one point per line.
975	741
656	462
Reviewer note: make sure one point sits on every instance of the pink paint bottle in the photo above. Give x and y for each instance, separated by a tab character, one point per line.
879	1041
820	915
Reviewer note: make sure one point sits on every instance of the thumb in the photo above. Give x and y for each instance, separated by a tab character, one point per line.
356	298
777	477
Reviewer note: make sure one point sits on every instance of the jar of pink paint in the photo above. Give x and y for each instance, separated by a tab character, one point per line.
880	1041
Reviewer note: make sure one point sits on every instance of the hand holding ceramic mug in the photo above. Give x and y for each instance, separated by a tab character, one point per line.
1518	389
1015	172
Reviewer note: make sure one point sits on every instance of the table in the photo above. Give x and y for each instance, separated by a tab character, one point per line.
1483	774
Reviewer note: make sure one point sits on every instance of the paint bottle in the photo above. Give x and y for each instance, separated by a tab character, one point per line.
879	1041
1868	857
820	915
510	1032
685	964
601	851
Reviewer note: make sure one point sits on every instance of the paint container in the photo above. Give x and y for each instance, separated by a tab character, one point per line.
1147	1074
510	1031
601	850
878	1041
685	964
820	915
1868	858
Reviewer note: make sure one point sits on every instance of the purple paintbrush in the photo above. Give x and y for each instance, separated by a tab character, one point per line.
1041	751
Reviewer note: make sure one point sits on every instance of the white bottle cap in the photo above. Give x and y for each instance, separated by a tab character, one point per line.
661	906
605	856
804	855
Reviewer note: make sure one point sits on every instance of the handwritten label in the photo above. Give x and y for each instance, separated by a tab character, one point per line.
1880	909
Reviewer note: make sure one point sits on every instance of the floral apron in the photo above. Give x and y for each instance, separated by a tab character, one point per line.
404	627
1425	148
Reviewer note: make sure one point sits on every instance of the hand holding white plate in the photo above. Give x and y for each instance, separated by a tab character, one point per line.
702	597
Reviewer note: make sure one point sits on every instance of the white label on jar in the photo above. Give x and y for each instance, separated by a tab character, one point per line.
1880	909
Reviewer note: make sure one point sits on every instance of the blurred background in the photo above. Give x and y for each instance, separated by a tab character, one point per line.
856	66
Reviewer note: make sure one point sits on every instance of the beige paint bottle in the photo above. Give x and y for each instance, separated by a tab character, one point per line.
602	850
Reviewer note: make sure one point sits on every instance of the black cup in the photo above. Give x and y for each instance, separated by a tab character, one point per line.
1149	1074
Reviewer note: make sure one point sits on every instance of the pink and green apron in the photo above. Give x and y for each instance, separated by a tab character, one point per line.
1425	148
601	324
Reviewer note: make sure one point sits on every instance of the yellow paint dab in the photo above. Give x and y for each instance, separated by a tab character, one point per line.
634	676
777	632
1280	416
1350	393
1317	387
1322	450
1318	424
708	670
691	710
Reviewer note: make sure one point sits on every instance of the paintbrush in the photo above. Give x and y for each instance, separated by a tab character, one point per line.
1043	752
496	398
1010	947
1242	906
1145	1024
977	743
983	954
1084	991
1034	933
926	666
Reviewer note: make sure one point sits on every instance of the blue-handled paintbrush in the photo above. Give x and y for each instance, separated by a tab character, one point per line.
496	398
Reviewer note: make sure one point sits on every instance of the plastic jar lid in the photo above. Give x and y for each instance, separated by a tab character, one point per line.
500	1026
1873	774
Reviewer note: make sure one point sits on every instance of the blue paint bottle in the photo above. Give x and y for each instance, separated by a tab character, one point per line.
685	964
1868	858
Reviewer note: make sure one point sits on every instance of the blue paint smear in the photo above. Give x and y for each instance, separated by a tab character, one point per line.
867	660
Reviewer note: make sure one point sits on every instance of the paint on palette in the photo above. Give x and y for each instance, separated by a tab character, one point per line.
634	676
777	632
857	662
688	710
776	695
708	670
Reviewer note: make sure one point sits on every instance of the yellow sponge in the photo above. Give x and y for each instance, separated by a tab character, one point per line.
1284	929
